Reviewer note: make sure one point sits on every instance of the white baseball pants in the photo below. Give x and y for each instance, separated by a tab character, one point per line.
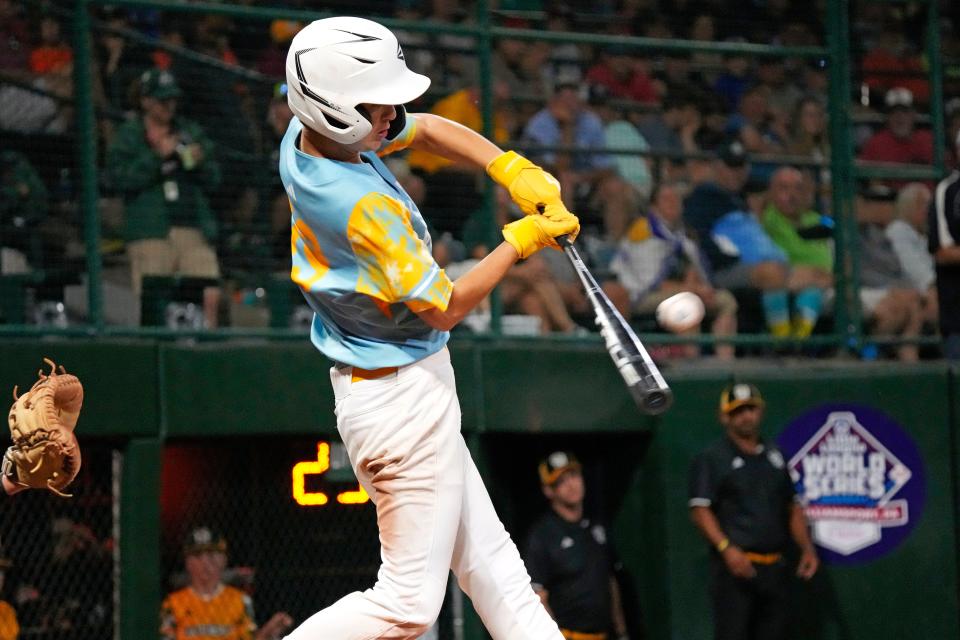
402	433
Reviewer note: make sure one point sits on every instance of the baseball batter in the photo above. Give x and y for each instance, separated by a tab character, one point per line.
383	309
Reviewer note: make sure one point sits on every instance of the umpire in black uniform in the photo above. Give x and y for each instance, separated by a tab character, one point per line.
943	236
743	502
570	560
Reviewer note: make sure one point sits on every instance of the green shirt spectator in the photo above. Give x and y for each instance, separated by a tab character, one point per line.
155	200
23	203
799	250
163	166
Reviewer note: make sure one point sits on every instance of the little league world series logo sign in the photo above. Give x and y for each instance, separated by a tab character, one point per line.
860	477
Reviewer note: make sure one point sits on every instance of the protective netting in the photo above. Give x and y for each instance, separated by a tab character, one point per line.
193	220
57	561
299	532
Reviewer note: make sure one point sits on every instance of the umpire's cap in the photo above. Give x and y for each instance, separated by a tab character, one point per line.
740	394
555	464
203	538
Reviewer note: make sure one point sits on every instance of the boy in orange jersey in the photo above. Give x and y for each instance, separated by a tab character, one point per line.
207	609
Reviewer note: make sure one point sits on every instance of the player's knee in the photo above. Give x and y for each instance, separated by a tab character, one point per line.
418	622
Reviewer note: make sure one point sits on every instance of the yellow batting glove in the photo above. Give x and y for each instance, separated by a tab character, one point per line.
531	187
532	233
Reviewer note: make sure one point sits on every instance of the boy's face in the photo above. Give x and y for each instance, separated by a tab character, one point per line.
381	115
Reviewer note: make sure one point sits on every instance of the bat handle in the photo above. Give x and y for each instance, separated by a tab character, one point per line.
564	241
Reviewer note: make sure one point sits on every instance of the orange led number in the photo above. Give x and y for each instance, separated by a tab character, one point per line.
309	468
317	467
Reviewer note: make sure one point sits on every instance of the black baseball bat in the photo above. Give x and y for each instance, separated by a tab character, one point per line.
644	380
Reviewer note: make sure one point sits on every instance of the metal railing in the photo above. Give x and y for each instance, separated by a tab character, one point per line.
844	169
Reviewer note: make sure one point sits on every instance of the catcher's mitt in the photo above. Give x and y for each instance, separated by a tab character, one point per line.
45	453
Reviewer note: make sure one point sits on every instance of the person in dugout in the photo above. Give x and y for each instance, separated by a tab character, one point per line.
570	559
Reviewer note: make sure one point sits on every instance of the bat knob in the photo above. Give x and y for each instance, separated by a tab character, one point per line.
653	402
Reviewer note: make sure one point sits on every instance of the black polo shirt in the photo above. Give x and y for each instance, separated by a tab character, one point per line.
751	495
573	562
943	229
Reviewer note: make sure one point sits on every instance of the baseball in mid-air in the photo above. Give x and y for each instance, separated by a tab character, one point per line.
680	312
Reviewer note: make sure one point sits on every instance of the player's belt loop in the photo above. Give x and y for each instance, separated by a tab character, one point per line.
371	374
577	635
763	558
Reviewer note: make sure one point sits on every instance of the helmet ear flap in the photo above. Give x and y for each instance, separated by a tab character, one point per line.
398	123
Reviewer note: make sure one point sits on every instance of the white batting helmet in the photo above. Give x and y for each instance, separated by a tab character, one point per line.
335	64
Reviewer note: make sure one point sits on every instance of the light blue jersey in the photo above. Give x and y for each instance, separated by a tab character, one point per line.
362	256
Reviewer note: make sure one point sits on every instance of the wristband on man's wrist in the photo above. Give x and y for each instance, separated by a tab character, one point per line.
723	544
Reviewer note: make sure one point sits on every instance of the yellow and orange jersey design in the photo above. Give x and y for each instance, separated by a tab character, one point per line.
362	256
9	627
227	615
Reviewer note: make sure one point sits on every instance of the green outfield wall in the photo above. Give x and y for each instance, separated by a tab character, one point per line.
521	400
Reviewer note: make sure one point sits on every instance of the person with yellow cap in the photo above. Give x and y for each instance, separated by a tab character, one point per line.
571	560
744	504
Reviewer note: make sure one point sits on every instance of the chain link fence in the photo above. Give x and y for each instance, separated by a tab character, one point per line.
58	557
300	533
189	107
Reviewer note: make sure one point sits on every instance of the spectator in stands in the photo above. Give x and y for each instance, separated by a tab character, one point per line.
899	140
740	254
814	78
657	259
625	143
453	189
14	41
888	298
702	28
209	608
735	78
530	287
625	74
891	63
220	101
809	136
172	35
42	106
272	60
802	235
754	125
588	179
23	205
944	246
9	627
77	551
506	65
714	122
165	184
676	77
674	129
53	54
454	51
567	60
275	197
951	115
908	235
782	93
121	62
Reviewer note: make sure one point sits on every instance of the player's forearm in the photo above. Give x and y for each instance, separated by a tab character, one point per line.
798	528
453	141
947	255
616	608
709	526
472	287
8	486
